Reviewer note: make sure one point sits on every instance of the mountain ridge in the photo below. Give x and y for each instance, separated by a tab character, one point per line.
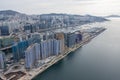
53	20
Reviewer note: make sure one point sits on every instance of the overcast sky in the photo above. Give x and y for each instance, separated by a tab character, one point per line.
94	7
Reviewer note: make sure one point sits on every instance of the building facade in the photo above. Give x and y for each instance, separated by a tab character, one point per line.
2	60
18	50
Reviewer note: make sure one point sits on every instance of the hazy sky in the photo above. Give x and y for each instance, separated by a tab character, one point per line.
94	7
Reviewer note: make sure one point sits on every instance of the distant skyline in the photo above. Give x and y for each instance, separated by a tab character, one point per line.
81	7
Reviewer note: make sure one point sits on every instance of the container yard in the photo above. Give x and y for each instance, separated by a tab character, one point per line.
35	55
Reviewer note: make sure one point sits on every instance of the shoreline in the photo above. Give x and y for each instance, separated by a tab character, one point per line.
44	67
31	74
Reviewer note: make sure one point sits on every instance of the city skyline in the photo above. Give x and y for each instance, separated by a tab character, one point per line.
81	7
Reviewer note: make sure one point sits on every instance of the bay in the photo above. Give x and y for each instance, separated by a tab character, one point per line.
97	60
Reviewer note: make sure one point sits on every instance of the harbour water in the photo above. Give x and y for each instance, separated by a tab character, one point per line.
97	60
